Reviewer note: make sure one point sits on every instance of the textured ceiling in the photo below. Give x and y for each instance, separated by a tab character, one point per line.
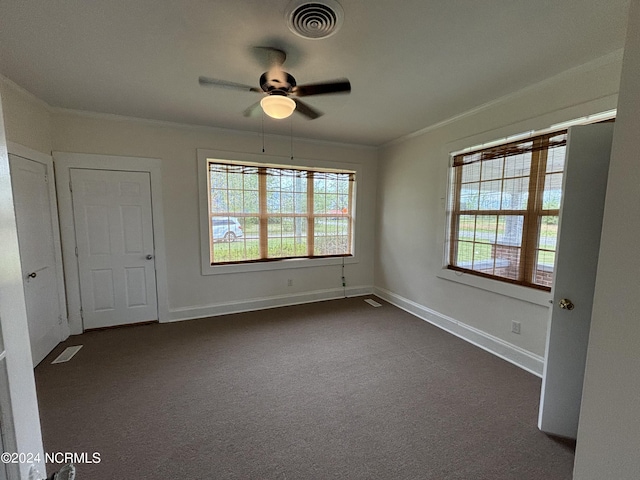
411	63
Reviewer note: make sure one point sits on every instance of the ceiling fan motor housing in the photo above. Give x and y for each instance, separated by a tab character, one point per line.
273	84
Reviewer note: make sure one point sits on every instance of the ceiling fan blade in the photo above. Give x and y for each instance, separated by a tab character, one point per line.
307	110
336	86
253	111
214	82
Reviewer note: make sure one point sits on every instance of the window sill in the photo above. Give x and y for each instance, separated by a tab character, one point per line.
276	265
526	294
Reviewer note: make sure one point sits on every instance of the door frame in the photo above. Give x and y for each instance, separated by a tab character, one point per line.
64	162
18	150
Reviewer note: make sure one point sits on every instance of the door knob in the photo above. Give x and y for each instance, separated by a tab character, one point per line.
566	304
149	257
32	275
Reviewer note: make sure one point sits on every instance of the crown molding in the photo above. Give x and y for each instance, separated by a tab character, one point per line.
612	57
201	128
25	93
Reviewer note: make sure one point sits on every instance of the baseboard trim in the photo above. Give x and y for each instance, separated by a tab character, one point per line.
225	308
520	357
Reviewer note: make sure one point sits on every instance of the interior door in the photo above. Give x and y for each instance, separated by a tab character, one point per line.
114	239
37	254
585	183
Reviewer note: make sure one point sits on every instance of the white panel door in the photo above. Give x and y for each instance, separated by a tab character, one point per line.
585	184
37	254
114	237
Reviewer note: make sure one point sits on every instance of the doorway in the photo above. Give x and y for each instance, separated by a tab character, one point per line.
112	233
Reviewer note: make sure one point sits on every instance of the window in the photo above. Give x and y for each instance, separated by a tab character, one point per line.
260	213
504	204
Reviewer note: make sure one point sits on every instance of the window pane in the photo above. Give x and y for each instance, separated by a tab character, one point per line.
235	180
228	194
331	193
286	191
492	169
555	159
471	173
464	259
467	227
486	228
548	232
543	272
552	191
490	193
482	258
300	203
545	255
469	196
319	202
273	201
273	180
287	237
235	201
507	261
233	239
251	202
319	185
516	194
250	181
250	227
330	236
518	165
343	204
343	184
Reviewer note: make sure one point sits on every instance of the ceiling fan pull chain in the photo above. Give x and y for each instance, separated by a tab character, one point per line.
291	134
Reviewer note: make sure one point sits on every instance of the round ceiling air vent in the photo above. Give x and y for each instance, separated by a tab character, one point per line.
314	20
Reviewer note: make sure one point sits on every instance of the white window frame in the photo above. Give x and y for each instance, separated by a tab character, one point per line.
205	155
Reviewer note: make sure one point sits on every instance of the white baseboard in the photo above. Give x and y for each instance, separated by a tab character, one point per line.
225	308
520	357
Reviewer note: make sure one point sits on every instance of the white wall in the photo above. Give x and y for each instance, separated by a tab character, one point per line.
412	177
27	119
190	293
609	430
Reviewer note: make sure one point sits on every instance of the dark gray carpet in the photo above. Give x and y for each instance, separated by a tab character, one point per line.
331	390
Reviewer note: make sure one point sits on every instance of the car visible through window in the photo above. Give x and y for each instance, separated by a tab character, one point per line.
225	229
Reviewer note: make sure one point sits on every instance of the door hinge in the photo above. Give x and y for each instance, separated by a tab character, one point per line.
76	251
81	314
46	178
70	186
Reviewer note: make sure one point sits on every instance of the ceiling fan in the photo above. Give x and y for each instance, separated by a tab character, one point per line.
280	90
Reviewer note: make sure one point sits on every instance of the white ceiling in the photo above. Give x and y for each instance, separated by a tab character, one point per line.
411	63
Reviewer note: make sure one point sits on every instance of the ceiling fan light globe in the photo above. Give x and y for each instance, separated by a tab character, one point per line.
278	106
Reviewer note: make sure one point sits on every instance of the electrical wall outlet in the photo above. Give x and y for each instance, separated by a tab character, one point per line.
290	282
515	327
